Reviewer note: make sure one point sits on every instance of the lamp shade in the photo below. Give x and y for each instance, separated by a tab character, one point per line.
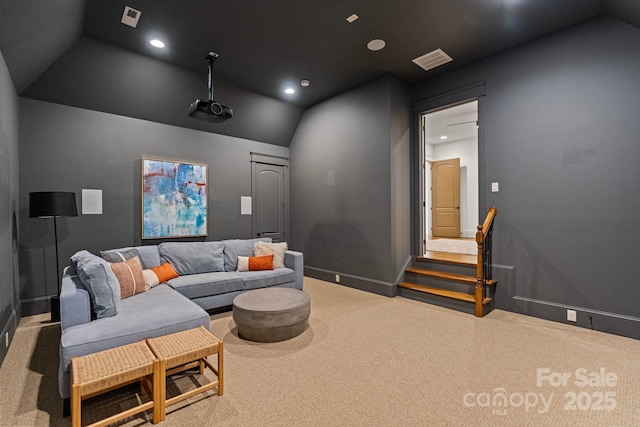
50	204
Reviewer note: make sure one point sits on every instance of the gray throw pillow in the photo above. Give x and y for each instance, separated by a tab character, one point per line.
193	257
119	255
103	286
149	255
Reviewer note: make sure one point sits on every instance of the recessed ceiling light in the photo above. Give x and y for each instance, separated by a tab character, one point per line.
157	43
443	137
289	91
376	44
304	83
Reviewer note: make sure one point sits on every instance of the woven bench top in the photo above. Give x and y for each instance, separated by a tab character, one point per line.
105	369
183	347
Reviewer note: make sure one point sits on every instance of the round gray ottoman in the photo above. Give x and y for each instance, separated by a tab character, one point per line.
271	314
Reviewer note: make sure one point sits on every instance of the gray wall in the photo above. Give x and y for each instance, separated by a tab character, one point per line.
9	285
102	77
561	137
66	148
350	186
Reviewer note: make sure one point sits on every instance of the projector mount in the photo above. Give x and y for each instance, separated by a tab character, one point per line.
212	56
210	110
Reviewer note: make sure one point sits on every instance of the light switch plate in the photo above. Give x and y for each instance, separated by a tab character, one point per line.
495	187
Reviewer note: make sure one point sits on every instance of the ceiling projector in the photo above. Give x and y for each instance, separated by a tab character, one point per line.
210	110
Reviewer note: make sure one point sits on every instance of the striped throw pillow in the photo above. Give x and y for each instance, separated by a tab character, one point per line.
129	274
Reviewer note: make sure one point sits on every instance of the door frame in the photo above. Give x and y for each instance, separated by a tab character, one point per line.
275	161
473	92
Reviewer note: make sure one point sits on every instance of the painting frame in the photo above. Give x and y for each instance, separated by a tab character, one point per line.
175	199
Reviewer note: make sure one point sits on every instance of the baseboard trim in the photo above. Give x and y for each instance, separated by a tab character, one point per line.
363	283
10	328
38	305
597	320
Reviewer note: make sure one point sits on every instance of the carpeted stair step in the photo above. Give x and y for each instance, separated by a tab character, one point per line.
446	276
460	296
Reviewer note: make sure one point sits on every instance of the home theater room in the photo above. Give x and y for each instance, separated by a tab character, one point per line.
311	213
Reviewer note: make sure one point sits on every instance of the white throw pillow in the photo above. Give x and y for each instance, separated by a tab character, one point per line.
275	249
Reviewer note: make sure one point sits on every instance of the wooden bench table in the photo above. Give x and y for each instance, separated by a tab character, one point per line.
185	350
97	373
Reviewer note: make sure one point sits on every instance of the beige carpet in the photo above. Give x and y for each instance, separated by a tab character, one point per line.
456	246
368	360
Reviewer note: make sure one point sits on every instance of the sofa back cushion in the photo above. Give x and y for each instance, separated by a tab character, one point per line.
239	247
100	281
149	255
193	257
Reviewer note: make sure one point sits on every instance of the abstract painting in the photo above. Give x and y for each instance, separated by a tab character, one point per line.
174	199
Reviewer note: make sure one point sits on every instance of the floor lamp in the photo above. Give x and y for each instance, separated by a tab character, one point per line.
53	204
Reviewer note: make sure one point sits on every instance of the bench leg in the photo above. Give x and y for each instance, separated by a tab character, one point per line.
76	403
220	368
159	390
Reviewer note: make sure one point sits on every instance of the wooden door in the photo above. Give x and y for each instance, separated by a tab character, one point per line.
445	198
269	201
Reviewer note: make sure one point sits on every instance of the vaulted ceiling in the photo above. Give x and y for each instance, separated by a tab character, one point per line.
266	46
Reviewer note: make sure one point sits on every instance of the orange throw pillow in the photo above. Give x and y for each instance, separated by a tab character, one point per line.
165	272
255	263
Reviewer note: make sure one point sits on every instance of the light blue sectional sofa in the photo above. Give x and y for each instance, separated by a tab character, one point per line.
94	318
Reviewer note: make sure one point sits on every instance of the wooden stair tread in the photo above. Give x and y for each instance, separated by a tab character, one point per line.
443	275
449	258
460	296
448	276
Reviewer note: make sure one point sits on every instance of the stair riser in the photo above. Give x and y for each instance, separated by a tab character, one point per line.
441	301
453	304
440	283
443	266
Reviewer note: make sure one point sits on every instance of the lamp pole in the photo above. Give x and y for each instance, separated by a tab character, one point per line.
47	204
55	300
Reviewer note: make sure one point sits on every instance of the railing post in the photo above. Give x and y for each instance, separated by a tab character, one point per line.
479	294
479	298
483	265
480	261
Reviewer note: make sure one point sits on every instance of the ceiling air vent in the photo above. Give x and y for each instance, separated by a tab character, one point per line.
432	59
130	16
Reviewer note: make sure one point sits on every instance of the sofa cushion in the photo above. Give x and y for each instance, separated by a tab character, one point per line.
193	257
100	281
207	284
276	249
159	311
266	278
239	247
129	275
149	255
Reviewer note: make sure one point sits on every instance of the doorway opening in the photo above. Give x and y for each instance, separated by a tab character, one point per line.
449	136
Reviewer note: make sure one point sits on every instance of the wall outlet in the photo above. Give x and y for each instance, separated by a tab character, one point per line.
337	278
571	316
6	340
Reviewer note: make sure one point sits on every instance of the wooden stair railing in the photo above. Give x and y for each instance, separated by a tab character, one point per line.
484	239
482	279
